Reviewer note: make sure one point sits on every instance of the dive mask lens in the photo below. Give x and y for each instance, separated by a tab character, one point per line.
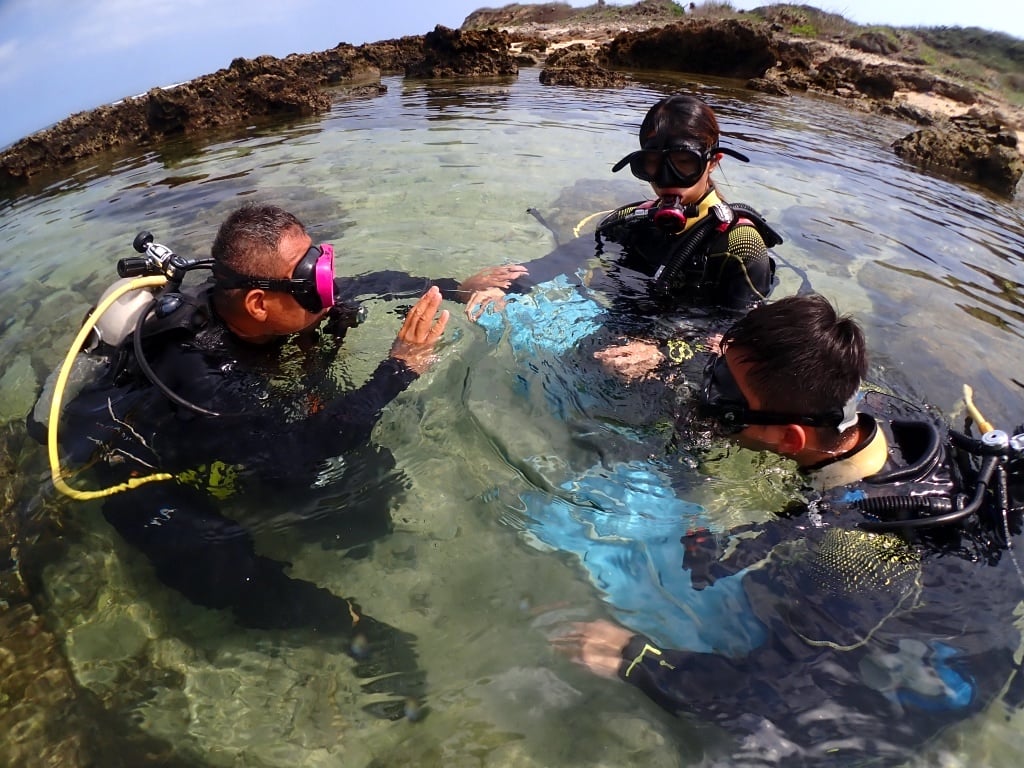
316	273
673	167
687	164
721	398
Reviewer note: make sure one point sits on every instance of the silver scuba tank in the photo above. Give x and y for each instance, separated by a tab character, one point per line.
119	321
116	325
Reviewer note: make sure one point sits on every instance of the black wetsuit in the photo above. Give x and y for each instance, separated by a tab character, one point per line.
712	263
285	432
874	641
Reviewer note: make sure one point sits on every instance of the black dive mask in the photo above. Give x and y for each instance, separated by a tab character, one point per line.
678	166
311	283
722	401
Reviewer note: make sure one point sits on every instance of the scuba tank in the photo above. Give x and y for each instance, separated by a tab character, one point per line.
121	309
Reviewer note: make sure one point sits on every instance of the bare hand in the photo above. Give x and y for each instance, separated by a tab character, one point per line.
419	333
633	360
492	277
596	645
480	301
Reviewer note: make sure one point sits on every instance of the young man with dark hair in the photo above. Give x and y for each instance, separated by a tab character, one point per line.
873	637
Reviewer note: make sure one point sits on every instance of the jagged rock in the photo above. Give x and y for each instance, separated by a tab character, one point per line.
770	85
955	91
575	55
974	147
908	112
590	76
875	42
726	48
453	53
840	74
576	66
393	56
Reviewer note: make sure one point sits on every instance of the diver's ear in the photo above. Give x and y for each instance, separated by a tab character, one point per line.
255	303
792	440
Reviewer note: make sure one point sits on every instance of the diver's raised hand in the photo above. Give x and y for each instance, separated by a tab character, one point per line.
491	277
596	645
480	301
423	326
487	288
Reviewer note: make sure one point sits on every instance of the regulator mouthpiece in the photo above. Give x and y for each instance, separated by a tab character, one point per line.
669	215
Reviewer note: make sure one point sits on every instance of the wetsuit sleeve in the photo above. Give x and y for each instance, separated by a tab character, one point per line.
679	681
741	268
349	419
391	285
290	453
566	259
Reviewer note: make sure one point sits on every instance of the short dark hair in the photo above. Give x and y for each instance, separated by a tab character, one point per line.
804	357
247	242
676	119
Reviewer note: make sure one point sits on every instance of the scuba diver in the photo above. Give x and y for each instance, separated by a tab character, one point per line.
214	395
686	249
886	597
695	247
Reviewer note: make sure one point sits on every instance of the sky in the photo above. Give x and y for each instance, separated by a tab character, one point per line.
58	57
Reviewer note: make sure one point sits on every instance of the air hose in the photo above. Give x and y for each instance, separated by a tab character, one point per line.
666	274
58	395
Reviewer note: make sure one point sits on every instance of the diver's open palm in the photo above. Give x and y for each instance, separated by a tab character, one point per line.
419	333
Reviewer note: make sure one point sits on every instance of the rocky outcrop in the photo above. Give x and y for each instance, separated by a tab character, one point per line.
975	148
576	66
393	56
725	48
248	88
449	53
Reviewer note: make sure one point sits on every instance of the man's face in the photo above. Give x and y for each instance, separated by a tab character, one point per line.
284	314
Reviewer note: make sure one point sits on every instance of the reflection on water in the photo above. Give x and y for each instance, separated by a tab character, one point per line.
437	180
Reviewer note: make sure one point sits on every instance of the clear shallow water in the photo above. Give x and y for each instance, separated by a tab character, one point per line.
437	180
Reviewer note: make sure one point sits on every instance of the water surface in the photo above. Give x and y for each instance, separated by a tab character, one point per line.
436	179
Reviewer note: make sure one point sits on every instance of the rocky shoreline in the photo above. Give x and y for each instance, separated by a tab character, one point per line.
963	134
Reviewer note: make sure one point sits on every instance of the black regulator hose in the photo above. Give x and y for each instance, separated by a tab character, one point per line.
151	374
685	252
887	505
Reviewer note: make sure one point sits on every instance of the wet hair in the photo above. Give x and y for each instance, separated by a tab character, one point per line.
804	357
677	119
248	240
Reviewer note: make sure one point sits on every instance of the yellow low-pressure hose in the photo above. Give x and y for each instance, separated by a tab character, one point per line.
585	220
983	424
58	394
